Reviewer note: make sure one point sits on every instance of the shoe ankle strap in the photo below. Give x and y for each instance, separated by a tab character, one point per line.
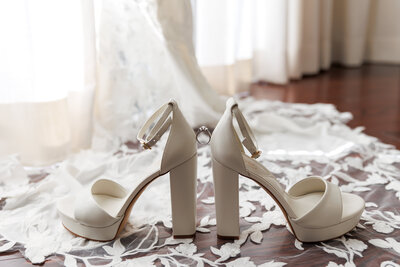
159	128
248	140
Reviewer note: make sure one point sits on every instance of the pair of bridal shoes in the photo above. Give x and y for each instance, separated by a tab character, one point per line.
315	209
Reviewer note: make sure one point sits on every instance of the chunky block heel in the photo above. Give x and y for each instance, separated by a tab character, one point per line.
183	181
226	191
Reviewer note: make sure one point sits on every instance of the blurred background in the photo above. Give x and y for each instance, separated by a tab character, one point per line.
73	69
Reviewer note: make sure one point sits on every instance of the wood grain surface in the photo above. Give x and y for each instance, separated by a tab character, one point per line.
371	93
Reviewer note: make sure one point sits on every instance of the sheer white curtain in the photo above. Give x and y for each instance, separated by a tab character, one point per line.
239	41
47	78
48	64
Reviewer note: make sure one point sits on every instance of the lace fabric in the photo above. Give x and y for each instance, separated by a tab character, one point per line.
297	140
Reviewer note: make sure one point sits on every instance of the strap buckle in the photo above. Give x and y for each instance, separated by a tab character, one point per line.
256	154
145	145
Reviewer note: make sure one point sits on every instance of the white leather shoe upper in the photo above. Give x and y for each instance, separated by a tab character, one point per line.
181	143
87	209
226	147
327	211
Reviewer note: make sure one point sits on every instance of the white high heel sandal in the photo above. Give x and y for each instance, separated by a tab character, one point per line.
101	212
315	209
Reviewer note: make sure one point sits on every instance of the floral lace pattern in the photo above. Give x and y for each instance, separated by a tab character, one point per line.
297	140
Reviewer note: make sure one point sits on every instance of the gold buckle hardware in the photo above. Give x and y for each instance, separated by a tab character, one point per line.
145	145
256	154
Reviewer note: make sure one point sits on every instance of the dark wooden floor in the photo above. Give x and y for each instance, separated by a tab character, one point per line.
371	93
